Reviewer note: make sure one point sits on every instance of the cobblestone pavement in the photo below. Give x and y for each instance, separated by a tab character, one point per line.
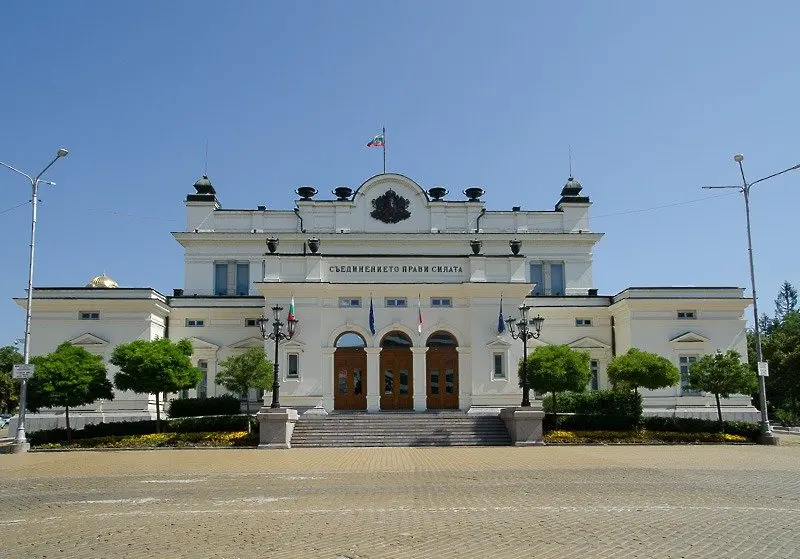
597	501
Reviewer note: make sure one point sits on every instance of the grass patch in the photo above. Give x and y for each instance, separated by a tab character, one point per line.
173	440
640	437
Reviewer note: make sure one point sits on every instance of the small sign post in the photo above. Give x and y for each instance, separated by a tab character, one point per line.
23	371
763	369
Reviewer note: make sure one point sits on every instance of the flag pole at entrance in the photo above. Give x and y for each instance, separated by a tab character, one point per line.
384	150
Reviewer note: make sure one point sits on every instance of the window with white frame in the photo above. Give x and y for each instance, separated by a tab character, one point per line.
548	277
395	302
89	315
687	315
594	383
292	365
583	322
195	322
498	366
231	278
350	302
251	322
684	362
440	302
202	386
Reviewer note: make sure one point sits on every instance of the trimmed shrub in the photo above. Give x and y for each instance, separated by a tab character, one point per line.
220	423
593	422
193	407
695	425
599	409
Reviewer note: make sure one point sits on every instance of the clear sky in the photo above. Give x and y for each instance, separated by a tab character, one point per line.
653	97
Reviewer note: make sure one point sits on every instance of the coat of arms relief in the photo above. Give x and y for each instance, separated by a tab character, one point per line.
390	207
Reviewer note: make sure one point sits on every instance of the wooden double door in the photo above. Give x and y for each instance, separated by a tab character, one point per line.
397	379
350	379
442	378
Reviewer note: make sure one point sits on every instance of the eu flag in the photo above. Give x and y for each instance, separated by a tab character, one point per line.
371	317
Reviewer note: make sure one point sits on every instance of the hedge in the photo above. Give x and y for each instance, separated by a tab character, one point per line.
193	407
695	425
597	402
219	423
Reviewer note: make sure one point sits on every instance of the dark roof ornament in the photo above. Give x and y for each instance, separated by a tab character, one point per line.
390	207
204	186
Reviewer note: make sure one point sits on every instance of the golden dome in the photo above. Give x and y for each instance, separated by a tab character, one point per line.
102	281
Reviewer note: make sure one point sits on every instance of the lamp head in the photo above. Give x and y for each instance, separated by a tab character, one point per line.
738	157
262	325
292	325
275	312
62	152
537	323
523	312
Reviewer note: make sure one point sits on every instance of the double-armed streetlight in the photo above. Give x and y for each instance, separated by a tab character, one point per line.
526	329
766	429
20	441
277	334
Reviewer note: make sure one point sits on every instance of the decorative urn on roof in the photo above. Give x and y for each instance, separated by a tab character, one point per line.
474	193
103	282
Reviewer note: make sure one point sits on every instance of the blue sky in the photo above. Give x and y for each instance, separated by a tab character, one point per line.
653	97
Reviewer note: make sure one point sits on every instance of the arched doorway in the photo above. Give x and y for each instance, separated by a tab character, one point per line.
397	365
441	375
350	373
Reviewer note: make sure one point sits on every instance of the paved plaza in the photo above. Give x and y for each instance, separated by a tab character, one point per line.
588	501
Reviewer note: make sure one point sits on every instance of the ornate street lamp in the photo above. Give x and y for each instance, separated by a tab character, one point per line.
277	334
526	328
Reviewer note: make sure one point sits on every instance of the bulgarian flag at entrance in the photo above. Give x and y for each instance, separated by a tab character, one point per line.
377	141
419	315
291	310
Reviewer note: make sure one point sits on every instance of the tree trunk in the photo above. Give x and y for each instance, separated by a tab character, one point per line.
555	410
69	431
719	414
158	414
247	407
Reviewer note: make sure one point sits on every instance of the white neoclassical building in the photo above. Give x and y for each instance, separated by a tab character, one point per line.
435	271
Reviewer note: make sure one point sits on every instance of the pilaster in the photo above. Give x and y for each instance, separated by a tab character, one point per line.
373	378
326	369
420	368
464	377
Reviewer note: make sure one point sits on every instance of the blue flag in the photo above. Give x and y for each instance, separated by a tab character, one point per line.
371	317
501	325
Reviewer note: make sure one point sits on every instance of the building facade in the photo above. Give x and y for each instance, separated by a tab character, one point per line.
398	292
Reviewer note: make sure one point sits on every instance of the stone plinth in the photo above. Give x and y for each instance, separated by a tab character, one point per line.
276	426
524	425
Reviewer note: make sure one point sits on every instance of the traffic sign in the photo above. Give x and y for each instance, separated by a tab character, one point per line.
763	369
23	371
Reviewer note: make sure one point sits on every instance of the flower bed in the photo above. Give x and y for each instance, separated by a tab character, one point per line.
640	437
175	440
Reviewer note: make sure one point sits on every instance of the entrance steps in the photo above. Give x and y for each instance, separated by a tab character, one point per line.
446	428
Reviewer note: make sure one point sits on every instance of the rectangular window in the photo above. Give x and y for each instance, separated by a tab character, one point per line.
583	322
293	366
89	315
396	302
202	387
251	322
557	279
220	279
441	302
684	362
195	323
687	315
243	279
499	371
350	302
594	367
538	278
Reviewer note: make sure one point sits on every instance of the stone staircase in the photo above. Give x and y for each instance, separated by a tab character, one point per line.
446	428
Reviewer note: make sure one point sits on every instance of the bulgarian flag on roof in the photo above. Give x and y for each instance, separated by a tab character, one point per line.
377	141
291	310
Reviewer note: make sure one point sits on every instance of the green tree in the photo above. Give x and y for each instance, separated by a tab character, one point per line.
153	367
781	350
637	368
722	375
240	373
786	301
556	368
9	386
68	377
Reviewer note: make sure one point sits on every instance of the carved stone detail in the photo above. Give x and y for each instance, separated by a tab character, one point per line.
390	207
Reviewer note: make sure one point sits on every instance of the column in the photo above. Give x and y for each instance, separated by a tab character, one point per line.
420	384
326	370
373	378
464	377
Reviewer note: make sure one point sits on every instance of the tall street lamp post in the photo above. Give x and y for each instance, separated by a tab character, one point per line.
525	329
766	429
20	442
277	334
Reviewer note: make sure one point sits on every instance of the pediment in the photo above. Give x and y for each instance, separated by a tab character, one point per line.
246	343
690	337
88	340
498	344
587	342
198	343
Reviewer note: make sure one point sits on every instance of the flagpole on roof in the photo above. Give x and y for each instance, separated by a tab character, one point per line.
384	150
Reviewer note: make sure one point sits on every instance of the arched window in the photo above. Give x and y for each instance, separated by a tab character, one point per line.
395	340
441	339
350	339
